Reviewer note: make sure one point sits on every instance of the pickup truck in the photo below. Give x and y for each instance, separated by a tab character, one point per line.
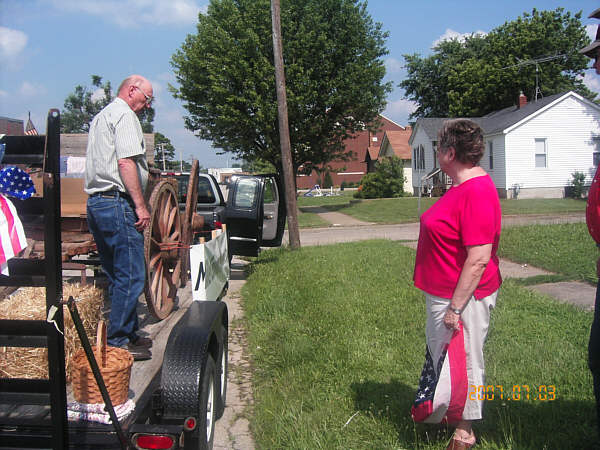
254	211
180	392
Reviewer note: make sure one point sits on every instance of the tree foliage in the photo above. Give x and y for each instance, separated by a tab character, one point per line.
332	55
84	103
473	77
163	149
387	181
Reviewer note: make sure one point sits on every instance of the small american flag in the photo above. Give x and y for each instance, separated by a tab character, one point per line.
442	392
30	128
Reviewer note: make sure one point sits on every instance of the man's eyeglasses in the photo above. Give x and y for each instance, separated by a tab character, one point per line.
149	99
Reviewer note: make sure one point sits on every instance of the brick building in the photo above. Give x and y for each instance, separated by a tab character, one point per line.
365	149
12	127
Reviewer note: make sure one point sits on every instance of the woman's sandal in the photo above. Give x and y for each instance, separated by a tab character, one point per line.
457	444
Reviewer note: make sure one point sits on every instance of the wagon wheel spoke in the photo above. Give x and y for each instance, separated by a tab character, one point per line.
155	277
153	261
160	242
171	220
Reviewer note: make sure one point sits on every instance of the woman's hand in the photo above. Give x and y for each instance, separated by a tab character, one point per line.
451	320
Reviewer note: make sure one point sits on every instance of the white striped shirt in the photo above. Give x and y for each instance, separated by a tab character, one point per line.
115	133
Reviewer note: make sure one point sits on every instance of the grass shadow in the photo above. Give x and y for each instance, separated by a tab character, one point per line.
560	424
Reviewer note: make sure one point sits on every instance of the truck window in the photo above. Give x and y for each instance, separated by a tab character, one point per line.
270	193
246	193
205	191
182	181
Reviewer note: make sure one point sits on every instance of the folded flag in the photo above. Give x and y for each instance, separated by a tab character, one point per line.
443	385
16	183
12	235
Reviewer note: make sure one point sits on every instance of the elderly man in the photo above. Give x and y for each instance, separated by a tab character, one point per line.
116	173
593	223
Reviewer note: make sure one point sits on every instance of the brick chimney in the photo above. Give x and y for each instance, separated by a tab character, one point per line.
522	100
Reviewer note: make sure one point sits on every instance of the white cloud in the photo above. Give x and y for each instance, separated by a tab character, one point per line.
12	42
451	34
28	89
399	110
592	81
135	13
591	31
393	65
3	93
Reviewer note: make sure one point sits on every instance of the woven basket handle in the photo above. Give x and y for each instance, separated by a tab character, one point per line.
101	342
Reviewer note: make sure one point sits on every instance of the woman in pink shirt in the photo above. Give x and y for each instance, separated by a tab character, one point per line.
457	269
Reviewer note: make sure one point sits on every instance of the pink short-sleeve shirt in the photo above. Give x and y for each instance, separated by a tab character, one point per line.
467	214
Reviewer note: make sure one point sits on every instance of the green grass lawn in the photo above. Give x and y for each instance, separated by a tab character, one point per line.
336	336
406	209
566	249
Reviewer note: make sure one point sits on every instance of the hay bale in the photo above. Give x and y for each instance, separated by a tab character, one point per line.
30	303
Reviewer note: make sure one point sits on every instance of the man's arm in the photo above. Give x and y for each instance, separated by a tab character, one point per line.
131	180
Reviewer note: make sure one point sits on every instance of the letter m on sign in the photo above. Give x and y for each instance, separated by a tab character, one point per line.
198	271
201	276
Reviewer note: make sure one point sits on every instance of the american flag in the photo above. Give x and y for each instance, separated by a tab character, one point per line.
30	128
442	390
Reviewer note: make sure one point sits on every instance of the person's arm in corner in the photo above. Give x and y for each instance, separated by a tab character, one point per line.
129	175
478	257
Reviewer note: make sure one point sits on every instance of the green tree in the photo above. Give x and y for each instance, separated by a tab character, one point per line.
474	77
334	77
386	182
257	166
163	149
80	108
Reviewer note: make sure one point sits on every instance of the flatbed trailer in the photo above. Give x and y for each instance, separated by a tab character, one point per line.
178	394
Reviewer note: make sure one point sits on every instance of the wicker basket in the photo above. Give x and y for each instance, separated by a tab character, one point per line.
115	366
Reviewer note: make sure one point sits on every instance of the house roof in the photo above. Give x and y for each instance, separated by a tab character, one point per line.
497	121
372	152
398	141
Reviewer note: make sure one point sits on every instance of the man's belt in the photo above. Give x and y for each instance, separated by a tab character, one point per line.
114	194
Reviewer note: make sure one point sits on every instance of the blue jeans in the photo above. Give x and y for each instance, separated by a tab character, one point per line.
594	353
121	249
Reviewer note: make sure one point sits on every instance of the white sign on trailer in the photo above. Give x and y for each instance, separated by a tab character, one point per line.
209	267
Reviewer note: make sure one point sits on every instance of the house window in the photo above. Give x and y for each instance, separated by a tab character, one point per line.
596	151
419	158
374	138
491	148
434	145
541	153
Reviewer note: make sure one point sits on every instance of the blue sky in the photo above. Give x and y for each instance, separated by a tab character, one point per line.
47	47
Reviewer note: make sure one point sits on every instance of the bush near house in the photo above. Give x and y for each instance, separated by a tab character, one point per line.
577	184
386	182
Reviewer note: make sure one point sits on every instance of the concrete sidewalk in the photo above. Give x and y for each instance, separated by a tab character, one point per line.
573	292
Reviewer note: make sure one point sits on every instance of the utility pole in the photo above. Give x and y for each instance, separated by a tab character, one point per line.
284	131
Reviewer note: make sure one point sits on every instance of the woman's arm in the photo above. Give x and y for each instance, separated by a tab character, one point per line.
478	257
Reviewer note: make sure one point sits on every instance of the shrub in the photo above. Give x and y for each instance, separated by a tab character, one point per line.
578	184
387	181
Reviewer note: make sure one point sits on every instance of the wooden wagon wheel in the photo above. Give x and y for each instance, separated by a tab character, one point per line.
188	218
162	250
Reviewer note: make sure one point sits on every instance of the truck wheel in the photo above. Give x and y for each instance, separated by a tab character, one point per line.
222	370
206	412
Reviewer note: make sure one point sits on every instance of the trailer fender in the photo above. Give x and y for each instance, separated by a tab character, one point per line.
198	334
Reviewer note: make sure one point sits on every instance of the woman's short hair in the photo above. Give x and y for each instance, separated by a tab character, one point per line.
465	136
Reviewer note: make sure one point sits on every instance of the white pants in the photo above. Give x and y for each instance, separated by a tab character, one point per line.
476	320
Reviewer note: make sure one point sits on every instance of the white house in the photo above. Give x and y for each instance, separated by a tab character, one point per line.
531	149
395	143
